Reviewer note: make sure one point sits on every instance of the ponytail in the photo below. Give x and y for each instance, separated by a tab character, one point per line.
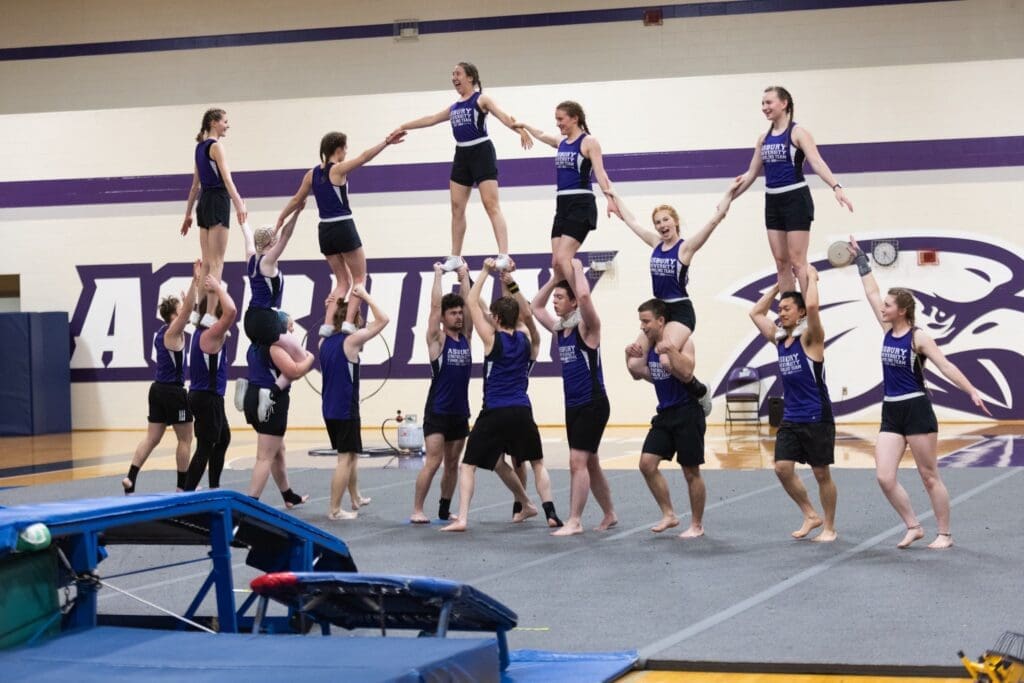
783	94
574	110
329	143
209	118
474	73
904	299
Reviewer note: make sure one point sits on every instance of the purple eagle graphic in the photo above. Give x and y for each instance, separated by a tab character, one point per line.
972	304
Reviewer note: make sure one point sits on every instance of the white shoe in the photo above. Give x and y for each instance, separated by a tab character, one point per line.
705	402
348	328
265	406
800	328
326	331
502	262
569	322
208	320
241	386
193	318
451	263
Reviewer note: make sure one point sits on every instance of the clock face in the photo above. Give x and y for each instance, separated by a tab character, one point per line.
884	253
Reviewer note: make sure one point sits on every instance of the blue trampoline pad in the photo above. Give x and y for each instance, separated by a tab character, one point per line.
540	666
103	654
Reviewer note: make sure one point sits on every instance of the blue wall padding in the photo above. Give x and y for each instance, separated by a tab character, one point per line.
35	374
16	374
50	338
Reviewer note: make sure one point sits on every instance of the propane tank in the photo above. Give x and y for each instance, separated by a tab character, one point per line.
410	434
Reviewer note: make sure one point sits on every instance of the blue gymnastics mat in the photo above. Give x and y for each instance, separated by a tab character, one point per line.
105	653
102	654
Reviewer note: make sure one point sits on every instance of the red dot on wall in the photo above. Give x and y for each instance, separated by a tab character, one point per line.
653	17
927	257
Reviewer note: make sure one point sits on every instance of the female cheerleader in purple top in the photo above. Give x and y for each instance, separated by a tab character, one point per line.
212	184
475	162
579	156
907	415
789	209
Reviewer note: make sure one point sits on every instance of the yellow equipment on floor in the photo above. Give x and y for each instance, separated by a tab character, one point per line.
1002	664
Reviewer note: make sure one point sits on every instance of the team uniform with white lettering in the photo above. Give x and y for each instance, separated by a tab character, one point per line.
906	408
214	206
679	426
447	408
475	157
788	204
669	277
575	206
808	431
586	402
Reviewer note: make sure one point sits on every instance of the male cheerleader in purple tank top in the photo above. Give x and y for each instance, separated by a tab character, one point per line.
339	365
475	162
578	330
907	414
339	242
168	400
679	426
789	209
212	184
670	274
579	157
808	431
446	414
262	323
505	423
208	380
266	365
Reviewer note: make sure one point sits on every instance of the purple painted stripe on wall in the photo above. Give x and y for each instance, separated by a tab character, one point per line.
865	157
513	21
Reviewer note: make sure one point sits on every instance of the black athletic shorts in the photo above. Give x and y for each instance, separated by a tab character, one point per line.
474	164
263	326
346	435
909	416
168	404
503	430
214	208
584	425
678	430
793	210
453	427
211	424
575	216
339	237
812	443
277	423
682	312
